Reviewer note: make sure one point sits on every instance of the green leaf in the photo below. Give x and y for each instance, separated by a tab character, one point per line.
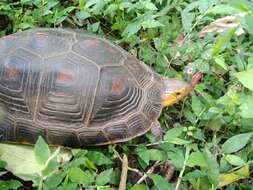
79	176
234	160
242	6
149	5
104	177
10	184
197	106
221	62
196	159
54	180
132	28
246	78
82	15
155	154
174	154
20	160
222	41
139	187
194	174
143	153
42	151
2	164
235	143
223	9
179	141
151	23
247	108
98	158
212	168
247	23
173	133
159	182
81	4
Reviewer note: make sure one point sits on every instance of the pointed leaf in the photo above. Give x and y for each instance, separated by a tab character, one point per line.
79	176
196	159
221	41
234	160
20	160
139	187
98	158
160	182
246	78
104	177
42	151
236	143
173	133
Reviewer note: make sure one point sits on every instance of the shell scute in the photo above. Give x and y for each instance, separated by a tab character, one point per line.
68	84
99	51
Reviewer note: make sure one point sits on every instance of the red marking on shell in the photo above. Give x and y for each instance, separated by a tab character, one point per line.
93	43
10	72
65	75
40	33
117	86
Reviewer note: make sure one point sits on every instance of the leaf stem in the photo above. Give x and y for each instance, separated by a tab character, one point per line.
187	151
41	184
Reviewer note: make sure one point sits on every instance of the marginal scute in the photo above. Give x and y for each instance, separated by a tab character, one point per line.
95	137
116	132
137	125
65	138
29	132
7	129
63	98
99	51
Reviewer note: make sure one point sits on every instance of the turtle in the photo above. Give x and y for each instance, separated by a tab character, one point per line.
77	89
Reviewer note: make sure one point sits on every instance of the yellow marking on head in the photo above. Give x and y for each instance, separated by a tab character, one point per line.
170	98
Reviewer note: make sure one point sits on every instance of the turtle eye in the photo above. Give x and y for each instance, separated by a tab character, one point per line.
178	93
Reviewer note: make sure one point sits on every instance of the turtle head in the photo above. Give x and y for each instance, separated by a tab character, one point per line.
175	90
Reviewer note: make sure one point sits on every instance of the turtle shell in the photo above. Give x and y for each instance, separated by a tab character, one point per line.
74	90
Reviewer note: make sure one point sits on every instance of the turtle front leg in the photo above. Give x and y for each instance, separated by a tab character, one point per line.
156	130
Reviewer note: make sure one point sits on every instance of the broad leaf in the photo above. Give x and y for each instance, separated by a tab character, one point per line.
98	158
139	187
222	41
236	143
104	177
160	182
246	78
173	133
79	176
20	160
196	159
212	168
42	151
235	160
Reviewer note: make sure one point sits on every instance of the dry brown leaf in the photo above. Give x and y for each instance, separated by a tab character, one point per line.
221	24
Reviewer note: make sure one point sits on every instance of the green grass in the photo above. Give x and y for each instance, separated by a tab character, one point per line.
207	137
